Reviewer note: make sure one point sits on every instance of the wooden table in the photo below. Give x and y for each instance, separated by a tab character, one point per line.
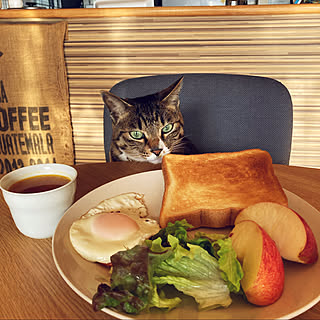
32	288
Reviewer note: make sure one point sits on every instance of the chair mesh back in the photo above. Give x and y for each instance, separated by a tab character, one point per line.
224	112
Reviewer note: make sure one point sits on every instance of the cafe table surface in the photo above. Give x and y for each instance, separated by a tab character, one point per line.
30	284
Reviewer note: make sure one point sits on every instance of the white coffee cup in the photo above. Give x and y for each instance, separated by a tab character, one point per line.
36	215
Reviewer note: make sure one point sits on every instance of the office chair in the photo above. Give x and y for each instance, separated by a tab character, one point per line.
223	112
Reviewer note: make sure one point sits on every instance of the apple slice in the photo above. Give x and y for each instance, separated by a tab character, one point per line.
262	265
291	233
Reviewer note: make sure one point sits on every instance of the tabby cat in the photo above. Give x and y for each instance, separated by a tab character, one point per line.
147	128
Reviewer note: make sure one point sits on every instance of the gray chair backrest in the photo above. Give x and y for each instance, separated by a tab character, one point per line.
223	112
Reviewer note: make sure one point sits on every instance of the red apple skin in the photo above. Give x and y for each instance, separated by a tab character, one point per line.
269	284
306	251
309	254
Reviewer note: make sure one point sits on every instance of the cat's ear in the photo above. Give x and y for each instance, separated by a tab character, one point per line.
117	106
170	96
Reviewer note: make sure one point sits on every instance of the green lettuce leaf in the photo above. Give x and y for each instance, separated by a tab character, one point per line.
204	267
195	273
156	246
159	300
220	246
229	265
207	241
177	229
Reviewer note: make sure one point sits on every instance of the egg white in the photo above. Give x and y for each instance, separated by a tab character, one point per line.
95	248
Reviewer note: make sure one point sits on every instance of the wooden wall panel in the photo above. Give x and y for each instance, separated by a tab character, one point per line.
102	51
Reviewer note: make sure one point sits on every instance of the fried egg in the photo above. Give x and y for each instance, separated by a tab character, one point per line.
115	224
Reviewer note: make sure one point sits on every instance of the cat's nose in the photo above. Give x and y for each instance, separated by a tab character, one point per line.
156	151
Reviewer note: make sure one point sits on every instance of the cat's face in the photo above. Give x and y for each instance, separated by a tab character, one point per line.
145	128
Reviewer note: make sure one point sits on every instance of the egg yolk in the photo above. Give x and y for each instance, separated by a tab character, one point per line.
114	226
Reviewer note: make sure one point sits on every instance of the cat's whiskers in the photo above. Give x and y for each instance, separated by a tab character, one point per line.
178	145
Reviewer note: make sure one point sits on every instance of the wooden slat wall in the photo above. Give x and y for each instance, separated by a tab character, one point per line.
102	51
107	45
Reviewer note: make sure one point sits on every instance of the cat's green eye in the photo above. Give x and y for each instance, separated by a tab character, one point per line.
136	134
167	128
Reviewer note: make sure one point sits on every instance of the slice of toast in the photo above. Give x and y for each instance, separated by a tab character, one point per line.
209	190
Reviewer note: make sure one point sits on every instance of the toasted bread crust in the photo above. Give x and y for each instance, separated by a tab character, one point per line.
209	190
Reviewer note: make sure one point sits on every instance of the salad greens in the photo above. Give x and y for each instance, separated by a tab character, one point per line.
204	267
